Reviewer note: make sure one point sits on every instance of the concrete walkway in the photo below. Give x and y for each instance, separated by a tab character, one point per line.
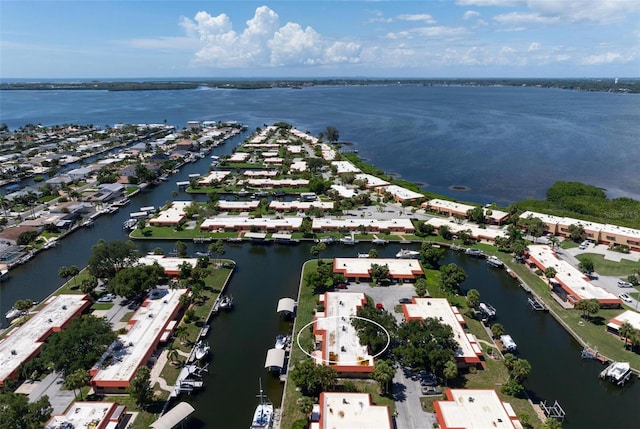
157	369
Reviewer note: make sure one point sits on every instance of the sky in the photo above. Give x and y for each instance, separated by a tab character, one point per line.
315	39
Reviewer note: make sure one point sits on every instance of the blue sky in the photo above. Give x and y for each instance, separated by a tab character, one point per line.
312	38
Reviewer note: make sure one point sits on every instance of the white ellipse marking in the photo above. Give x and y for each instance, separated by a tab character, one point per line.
329	361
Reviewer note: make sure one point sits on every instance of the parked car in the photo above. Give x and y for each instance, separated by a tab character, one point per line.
625	297
341	286
404	300
430	390
622	283
428	379
379	306
107	298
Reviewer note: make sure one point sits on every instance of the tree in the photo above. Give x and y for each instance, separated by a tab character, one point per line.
550	272
421	287
497	329
181	249
450	370
588	307
379	272
26	237
473	298
551	423
586	265
109	257
520	370
383	373
134	281
626	331
73	272
425	344
445	232
553	240
313	379
431	255
79	346
451	276
140	387
576	232
76	380
318	249
217	248
476	215
331	133
373	253
172	354
18	413
306	405
88	284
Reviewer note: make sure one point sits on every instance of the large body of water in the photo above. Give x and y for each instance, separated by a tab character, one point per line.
503	144
506	144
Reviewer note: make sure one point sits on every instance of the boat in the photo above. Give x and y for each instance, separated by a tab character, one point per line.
407	254
379	241
472	251
488	310
363	255
226	302
49	244
202	254
121	202
617	372
508	343
201	350
349	241
494	261
129	224
282	341
263	415
13	313
536	305
87	223
327	240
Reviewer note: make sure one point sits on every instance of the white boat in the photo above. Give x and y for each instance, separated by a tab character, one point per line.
263	415
617	372
363	255
508	343
130	224
494	261
226	302
327	240
379	241
472	251
407	254
281	341
13	313
350	241
201	350
487	309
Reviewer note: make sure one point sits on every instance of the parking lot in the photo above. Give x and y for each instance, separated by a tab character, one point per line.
407	388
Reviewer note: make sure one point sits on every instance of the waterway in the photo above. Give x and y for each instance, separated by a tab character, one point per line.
240	338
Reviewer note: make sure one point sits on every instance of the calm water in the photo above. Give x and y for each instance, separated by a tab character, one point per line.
504	144
522	139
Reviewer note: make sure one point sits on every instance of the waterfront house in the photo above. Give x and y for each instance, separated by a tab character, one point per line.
469	352
349	410
94	415
359	269
475	408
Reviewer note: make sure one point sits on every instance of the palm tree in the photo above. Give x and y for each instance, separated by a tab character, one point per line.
626	331
383	373
450	370
73	272
76	380
63	273
172	354
554	241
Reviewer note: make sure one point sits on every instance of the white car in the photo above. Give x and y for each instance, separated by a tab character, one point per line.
622	283
625	297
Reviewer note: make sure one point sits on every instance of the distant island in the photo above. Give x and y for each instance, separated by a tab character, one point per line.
626	85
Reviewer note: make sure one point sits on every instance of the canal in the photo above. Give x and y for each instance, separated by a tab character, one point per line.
240	339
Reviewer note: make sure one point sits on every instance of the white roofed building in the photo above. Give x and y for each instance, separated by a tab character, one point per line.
398	225
475	409
347	410
359	269
90	415
172	215
242	223
398	193
469	352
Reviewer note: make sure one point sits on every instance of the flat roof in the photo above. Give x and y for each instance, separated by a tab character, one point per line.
569	276
588	225
345	167
260	173
341	345
22	343
237	205
172	215
300	205
439	308
321	223
170	264
475	408
402	193
353	411
277	182
343	191
131	349
488	233
630	316
448	205
213	176
360	267
372	181
246	222
86	415
275	358
286	304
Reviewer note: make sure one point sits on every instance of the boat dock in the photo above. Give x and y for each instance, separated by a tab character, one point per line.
537	305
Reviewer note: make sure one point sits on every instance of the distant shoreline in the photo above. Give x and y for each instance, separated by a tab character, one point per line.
629	85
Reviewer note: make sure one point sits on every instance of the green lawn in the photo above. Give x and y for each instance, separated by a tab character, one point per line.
606	267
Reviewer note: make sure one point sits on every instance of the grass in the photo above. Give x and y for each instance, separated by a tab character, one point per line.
145	418
606	267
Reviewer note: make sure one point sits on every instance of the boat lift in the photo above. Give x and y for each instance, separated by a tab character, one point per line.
554	411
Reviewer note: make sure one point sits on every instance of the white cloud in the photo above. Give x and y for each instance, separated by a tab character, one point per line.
534	46
498	3
426	18
470	14
525	18
606	58
428	32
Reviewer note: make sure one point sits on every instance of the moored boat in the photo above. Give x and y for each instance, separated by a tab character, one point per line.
263	415
282	341
488	310
379	241
494	261
472	251
13	313
508	343
226	302
201	350
407	254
